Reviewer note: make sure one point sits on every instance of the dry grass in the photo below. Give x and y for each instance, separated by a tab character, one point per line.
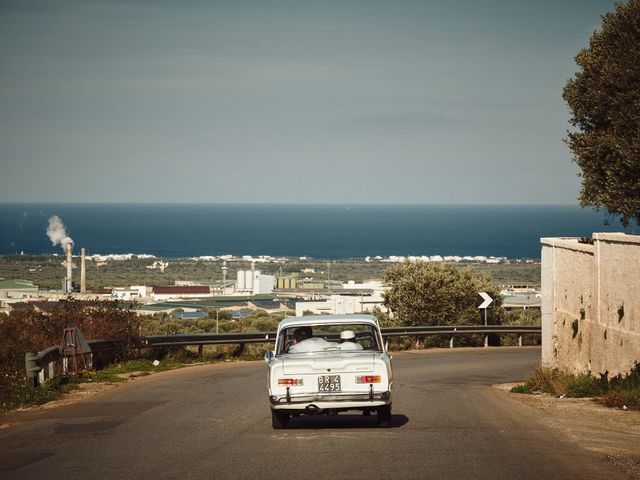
557	383
617	392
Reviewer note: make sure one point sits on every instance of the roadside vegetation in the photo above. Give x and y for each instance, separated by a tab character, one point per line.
29	330
620	391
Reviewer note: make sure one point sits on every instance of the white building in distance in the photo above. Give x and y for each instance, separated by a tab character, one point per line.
253	282
341	305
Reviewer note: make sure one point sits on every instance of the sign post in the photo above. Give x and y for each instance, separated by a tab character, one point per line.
485	301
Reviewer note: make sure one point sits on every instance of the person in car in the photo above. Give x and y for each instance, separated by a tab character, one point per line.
304	341
347	341
300	334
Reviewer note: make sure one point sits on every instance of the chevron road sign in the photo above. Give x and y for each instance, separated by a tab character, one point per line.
485	299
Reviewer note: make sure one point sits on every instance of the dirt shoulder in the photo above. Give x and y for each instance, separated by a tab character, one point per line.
610	431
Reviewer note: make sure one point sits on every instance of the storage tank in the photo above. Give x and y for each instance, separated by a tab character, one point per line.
248	279
240	284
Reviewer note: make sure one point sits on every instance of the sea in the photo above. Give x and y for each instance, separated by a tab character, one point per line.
295	230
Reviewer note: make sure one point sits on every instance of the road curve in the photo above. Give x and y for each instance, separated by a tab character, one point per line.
213	421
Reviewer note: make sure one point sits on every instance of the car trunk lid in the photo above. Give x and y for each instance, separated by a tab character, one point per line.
333	362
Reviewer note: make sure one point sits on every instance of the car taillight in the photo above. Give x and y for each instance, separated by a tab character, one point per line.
368	379
290	381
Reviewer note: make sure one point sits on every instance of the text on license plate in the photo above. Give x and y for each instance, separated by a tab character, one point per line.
329	383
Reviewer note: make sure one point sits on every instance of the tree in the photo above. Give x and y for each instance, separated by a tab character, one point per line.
604	98
424	293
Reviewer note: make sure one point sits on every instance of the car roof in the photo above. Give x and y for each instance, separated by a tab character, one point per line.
326	320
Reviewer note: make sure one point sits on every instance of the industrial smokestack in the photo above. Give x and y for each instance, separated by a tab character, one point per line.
57	233
83	272
69	248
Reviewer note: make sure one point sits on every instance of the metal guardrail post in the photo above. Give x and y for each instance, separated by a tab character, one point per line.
520	340
32	368
486	340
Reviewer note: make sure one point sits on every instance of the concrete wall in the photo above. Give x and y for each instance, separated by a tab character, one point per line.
591	303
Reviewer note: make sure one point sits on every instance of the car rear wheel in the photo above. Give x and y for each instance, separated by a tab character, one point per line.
279	420
384	416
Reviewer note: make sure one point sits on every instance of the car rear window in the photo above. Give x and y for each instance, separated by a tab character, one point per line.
326	338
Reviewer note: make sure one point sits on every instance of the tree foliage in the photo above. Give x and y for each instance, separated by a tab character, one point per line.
604	98
424	293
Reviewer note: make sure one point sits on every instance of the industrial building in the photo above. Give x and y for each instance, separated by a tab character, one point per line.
17	289
341	305
133	292
253	282
171	291
287	282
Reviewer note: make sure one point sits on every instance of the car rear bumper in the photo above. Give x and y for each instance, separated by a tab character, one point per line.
330	401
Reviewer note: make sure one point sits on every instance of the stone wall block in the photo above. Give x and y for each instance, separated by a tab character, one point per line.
597	288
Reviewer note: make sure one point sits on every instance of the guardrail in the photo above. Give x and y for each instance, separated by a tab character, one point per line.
453	330
36	362
264	337
207	339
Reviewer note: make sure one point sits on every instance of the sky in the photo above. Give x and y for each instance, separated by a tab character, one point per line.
436	102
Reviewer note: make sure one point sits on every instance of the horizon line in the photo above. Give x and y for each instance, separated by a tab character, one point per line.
297	203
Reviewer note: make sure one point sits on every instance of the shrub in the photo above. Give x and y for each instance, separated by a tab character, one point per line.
523	388
584	385
29	330
619	391
546	380
620	397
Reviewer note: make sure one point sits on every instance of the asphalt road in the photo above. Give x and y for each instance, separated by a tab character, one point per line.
213	422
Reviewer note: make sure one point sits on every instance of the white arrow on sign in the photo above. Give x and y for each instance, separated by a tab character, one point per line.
487	300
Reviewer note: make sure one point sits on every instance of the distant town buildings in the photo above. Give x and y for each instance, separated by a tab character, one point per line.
158	264
439	258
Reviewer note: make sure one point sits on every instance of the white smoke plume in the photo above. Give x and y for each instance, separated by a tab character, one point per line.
57	233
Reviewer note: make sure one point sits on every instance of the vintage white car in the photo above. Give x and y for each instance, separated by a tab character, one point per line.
329	364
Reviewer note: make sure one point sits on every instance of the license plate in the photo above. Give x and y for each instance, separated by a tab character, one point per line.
329	383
